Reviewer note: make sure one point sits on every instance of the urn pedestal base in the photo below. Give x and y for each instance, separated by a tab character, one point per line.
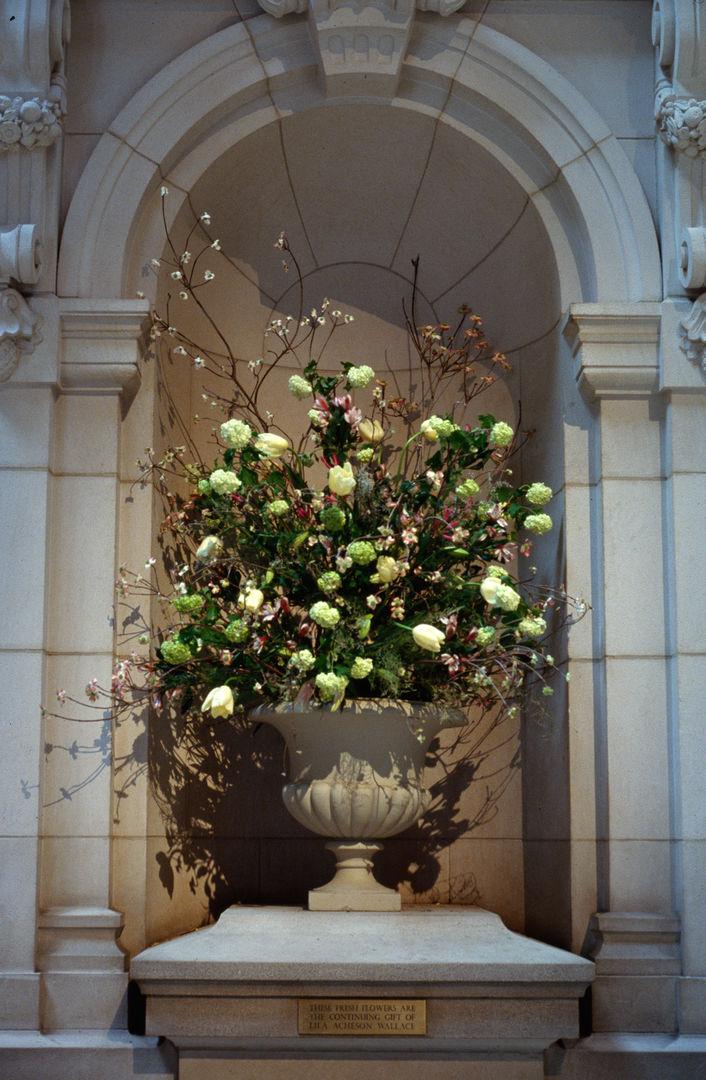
353	886
237	999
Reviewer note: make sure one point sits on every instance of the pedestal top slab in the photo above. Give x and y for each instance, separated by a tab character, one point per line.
425	944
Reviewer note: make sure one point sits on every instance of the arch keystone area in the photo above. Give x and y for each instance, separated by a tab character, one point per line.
492	90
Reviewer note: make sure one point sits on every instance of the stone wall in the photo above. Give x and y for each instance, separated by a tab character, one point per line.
513	145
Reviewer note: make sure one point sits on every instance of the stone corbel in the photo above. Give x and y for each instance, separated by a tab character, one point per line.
692	332
681	121
20	262
36	49
360	44
615	348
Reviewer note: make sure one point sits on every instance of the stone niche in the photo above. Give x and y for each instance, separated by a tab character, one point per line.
361	190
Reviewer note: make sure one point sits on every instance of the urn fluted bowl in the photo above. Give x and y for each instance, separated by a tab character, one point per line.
357	775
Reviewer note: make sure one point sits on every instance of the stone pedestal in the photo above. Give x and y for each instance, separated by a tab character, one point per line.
228	996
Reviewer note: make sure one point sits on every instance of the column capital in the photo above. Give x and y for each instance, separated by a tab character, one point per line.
101	344
615	348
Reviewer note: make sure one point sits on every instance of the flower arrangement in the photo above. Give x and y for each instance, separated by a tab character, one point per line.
352	562
372	555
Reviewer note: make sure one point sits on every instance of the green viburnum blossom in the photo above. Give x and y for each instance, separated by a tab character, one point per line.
485	635
365	455
506	598
203	487
174	651
223	481
236	434
299	386
532	626
538	523
329	581
496	571
361	667
237	630
304	660
324	614
467	489
332	518
361	552
359	377
437	427
501	434
330	685
188	604
277	507
539	494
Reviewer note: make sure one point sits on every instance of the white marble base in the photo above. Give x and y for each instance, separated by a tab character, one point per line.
230	992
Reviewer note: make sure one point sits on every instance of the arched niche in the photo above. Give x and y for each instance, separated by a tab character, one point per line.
520	202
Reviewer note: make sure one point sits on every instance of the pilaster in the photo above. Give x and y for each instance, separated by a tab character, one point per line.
83	969
27	396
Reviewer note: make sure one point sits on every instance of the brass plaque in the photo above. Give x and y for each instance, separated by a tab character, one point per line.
362	1016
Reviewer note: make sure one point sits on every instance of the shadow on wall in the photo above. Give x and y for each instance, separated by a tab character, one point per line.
228	832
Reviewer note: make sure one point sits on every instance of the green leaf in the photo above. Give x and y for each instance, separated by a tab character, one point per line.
248	477
277	480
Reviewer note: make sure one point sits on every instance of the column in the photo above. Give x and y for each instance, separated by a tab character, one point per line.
84	978
635	939
26	423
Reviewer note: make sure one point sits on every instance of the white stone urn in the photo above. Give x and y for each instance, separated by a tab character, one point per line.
357	775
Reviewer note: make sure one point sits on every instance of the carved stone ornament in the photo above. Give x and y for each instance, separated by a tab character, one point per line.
30	123
681	122
18	330
278	8
692	332
360	44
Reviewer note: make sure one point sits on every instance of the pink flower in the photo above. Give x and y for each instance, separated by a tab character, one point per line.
452	662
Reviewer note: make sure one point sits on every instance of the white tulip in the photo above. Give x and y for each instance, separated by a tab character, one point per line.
428	637
209	549
371	431
219	702
489	588
271	445
341	480
252	600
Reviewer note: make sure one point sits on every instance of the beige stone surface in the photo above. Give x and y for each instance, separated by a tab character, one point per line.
86	435
24	530
219	1067
637	705
631	515
439	944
